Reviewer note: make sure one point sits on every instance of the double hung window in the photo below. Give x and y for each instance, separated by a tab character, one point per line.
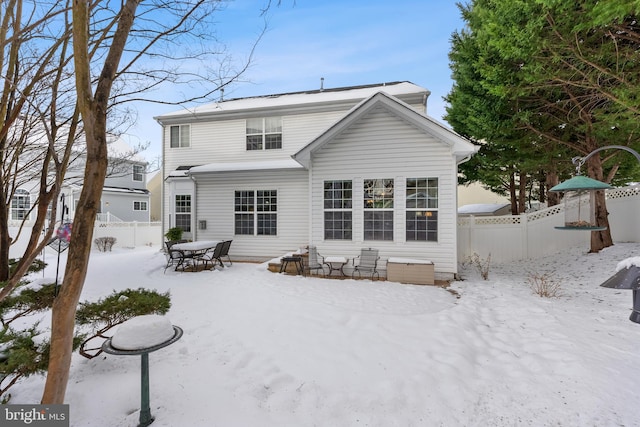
256	212
139	205
378	209
180	136
422	209
338	210
183	211
20	205
264	133
138	173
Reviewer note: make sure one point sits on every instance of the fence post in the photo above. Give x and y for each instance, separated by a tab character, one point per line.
524	226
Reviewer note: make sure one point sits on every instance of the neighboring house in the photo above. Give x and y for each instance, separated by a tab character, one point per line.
154	185
485	209
475	193
341	169
124	195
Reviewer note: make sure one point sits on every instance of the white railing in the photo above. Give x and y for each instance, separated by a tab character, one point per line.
107	217
510	238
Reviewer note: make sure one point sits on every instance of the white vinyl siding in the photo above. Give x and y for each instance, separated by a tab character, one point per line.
215	204
225	140
381	145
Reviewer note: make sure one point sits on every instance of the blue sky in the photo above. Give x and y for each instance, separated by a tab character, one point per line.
347	42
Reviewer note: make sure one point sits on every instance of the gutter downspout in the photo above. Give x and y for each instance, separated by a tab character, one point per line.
194	210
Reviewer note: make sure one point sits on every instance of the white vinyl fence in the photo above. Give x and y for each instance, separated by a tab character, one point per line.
130	234
515	237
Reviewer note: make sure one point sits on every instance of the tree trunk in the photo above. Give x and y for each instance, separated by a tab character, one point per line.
599	239
512	194
522	193
5	240
551	181
64	307
93	108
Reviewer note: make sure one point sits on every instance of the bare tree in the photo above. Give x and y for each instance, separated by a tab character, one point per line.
175	40
35	104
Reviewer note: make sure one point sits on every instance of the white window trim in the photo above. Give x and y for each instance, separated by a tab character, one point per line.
146	205
181	144
141	173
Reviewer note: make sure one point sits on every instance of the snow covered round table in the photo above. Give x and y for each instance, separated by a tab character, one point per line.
140	336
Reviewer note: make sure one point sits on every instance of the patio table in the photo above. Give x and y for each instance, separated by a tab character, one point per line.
198	245
336	263
193	250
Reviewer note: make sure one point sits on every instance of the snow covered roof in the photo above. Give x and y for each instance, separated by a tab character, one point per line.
352	94
243	166
117	148
125	190
483	209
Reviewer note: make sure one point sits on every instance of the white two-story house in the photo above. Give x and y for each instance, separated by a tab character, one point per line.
341	169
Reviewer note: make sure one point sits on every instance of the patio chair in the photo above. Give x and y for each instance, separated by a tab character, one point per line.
176	257
367	262
212	256
225	253
315	261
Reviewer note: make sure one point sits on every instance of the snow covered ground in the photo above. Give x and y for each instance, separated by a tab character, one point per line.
266	349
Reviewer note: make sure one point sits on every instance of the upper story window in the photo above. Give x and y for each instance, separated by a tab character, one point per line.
20	205
180	136
139	205
264	133
138	173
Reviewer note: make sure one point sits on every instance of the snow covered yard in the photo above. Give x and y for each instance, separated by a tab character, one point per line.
266	349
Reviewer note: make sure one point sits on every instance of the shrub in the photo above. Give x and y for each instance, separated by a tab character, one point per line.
482	265
105	244
114	310
22	356
544	285
28	301
174	233
24	353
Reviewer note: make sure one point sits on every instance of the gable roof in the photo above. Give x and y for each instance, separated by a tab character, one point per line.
460	146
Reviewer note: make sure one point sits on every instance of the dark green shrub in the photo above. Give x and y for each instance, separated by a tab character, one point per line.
28	301
174	233
114	310
21	356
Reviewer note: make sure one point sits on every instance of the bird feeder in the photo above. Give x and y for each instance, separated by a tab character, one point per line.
627	277
579	202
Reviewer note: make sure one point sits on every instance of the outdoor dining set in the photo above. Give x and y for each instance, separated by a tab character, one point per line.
307	263
195	256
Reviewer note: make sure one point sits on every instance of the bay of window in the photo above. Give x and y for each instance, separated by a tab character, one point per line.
338	213
378	209
183	212
422	209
